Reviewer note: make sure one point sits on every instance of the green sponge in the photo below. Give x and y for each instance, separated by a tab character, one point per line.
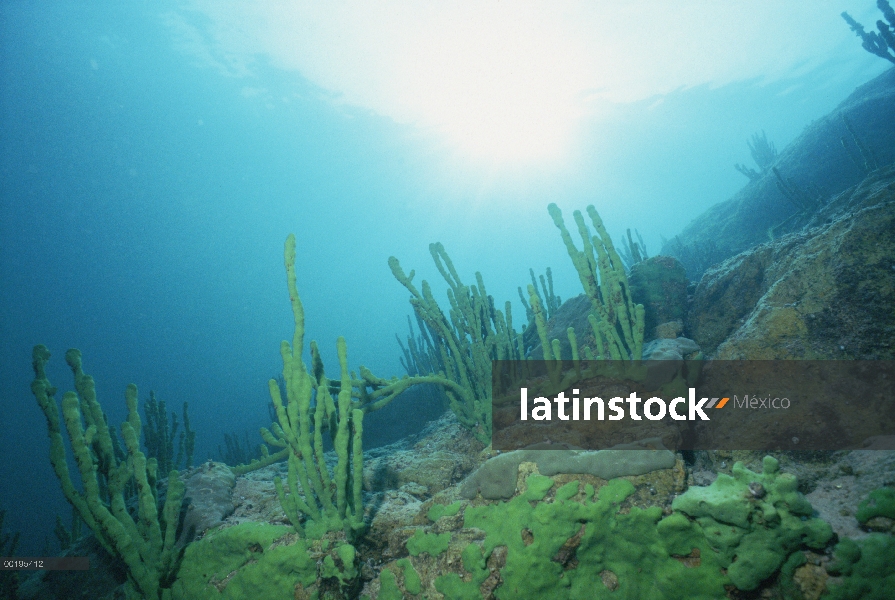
755	521
880	503
867	567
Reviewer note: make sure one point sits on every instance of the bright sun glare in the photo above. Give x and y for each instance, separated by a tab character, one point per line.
501	95
496	82
505	82
498	119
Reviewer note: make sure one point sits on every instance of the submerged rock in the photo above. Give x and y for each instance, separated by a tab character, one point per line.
824	293
821	162
660	284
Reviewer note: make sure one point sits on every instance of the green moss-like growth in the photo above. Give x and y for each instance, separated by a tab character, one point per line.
246	552
880	503
257	560
755	521
433	543
562	548
388	586
436	511
735	533
867	568
453	586
412	582
339	564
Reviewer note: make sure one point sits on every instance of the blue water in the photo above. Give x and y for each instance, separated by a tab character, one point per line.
145	197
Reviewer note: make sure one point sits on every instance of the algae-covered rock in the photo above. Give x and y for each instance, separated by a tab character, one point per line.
258	560
432	543
496	478
554	544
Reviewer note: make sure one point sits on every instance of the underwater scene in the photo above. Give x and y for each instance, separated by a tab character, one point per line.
408	300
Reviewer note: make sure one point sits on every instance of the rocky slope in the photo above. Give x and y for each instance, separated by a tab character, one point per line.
828	157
